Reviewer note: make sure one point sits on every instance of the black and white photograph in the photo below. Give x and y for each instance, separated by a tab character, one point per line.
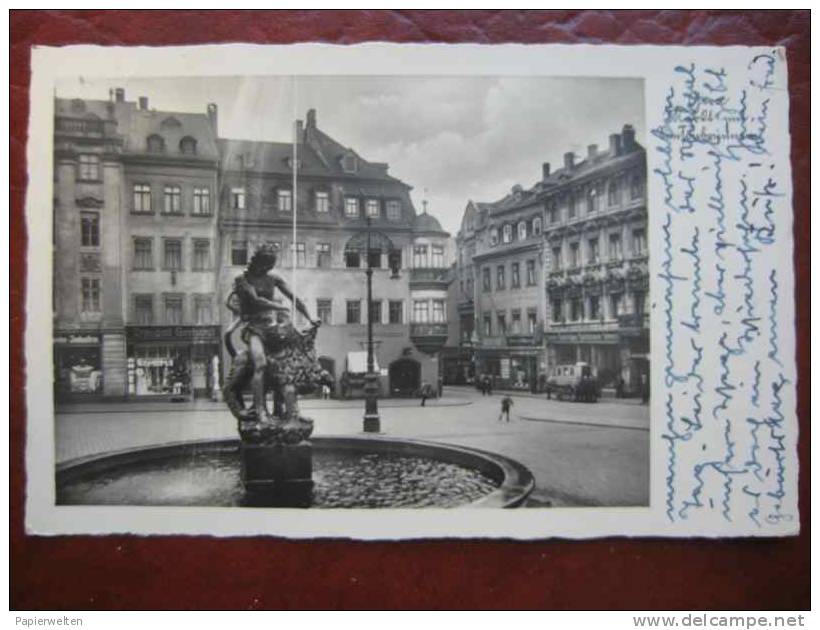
351	292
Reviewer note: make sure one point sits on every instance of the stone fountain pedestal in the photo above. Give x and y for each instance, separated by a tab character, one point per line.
277	464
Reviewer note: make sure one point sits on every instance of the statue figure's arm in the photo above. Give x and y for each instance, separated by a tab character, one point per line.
285	289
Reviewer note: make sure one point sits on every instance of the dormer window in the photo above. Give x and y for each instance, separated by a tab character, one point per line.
349	163
171	123
187	146
156	144
393	210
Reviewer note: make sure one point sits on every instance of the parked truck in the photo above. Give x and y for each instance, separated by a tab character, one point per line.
576	381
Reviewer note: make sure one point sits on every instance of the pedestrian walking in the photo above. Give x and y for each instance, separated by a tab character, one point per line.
488	384
506	404
325	391
425	393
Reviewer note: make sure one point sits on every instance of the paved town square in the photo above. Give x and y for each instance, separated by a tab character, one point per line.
580	454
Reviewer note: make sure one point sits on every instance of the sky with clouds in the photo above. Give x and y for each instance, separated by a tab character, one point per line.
452	138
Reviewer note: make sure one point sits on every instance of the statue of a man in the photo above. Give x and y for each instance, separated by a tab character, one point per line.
267	325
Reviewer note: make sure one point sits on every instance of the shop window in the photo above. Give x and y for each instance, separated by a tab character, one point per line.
143	254
322	201
88	167
202	255
351	207
372	208
172	259
324	310
323	255
515	275
173	310
437	256
239	253
142	199
90	229
91	295
203	313
172	200
202	201
376	311
530	273
395	311
354	311
421	311
284	200
144	310
393	210
439	316
420	256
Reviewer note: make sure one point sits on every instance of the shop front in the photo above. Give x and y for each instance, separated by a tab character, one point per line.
173	360
510	368
77	366
458	366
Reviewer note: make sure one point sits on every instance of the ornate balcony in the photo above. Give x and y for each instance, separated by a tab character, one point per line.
429	278
429	337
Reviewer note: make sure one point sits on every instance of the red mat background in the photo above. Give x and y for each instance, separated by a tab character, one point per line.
115	572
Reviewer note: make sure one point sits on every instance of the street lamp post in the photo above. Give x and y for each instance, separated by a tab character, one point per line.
372	422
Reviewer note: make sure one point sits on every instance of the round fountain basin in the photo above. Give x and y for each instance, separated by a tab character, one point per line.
348	472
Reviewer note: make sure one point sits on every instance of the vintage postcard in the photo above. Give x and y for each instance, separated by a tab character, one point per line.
406	291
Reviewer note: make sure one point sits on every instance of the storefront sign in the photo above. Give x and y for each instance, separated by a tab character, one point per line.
196	334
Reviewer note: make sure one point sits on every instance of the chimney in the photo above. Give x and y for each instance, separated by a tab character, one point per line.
143	102
300	130
592	151
569	160
119	95
628	135
614	144
213	117
311	119
545	170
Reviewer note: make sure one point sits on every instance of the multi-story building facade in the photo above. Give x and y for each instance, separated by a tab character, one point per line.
342	202
557	274
597	259
135	248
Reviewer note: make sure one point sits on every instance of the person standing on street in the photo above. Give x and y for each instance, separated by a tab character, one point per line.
425	393
506	404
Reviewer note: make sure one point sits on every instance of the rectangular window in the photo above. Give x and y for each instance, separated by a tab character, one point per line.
203	314
202	201
89	167
576	309
91	295
488	326
530	273
372	207
351	207
354	312
571	205
393	210
142	199
438	312
636	187
144	310
555	214
322	200
639	298
515	322
614	305
421	311
420	256
556	259
638	242
143	254
592	251
614	196
437	256
500	281
173	309
90	229
352	259
374	259
324	310
376	311
594	307
615	246
284	200
515	275
172	258
237	198
172	200
202	255
532	321
574	255
485	280
502	323
323	255
396	310
239	253
506	233
299	254
557	314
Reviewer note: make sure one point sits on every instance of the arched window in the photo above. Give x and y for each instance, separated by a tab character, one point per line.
187	146
507	233
493	236
522	230
536	226
156	144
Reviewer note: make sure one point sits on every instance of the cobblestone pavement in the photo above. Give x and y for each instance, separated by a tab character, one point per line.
580	454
